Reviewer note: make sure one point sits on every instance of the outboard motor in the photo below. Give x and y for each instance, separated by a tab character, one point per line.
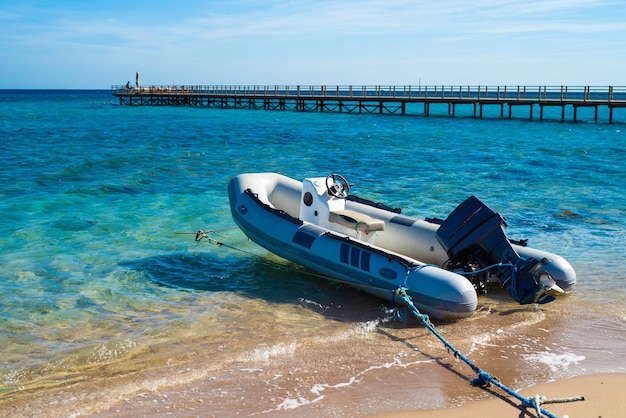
474	238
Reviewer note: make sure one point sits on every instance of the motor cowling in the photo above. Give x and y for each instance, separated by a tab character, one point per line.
474	238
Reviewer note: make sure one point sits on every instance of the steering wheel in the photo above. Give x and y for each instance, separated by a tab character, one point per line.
337	186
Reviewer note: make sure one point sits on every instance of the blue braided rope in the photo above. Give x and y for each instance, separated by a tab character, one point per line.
469	273
409	270
483	378
513	286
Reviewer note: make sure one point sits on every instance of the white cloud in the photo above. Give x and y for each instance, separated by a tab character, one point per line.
371	40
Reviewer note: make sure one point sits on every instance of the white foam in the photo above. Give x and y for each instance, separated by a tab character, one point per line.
366	327
290	403
318	388
264	354
311	302
485	339
553	360
360	330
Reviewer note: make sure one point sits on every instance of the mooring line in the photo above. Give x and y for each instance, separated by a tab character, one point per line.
205	235
484	379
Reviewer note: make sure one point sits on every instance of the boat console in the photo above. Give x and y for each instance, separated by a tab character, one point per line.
323	203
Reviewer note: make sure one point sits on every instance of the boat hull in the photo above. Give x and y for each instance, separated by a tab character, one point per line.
437	292
276	212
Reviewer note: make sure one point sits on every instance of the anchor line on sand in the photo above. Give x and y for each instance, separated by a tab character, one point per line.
484	378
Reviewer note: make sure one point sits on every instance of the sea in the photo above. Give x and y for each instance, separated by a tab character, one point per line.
110	307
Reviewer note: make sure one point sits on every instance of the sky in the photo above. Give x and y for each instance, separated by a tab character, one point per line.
78	44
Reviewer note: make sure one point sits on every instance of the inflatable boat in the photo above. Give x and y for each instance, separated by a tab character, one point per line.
442	264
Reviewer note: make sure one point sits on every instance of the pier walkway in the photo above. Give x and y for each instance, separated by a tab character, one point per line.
402	100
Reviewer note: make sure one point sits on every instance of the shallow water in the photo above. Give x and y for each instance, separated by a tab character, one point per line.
105	307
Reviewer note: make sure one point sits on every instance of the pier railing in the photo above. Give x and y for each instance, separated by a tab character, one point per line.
442	92
382	99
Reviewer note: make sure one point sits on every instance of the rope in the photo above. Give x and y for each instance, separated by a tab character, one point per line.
204	235
484	379
409	270
470	273
562	400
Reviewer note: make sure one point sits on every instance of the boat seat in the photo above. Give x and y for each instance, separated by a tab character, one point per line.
357	221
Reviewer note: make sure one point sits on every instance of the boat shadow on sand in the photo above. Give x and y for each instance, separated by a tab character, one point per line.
266	277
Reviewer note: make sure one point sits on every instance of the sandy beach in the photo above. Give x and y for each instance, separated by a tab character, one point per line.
604	398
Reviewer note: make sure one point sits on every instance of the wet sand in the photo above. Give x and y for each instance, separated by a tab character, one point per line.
405	372
346	361
604	398
311	366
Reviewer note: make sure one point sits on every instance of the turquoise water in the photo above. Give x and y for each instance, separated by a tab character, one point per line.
96	282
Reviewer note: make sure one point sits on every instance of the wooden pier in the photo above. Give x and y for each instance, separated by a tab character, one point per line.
401	100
